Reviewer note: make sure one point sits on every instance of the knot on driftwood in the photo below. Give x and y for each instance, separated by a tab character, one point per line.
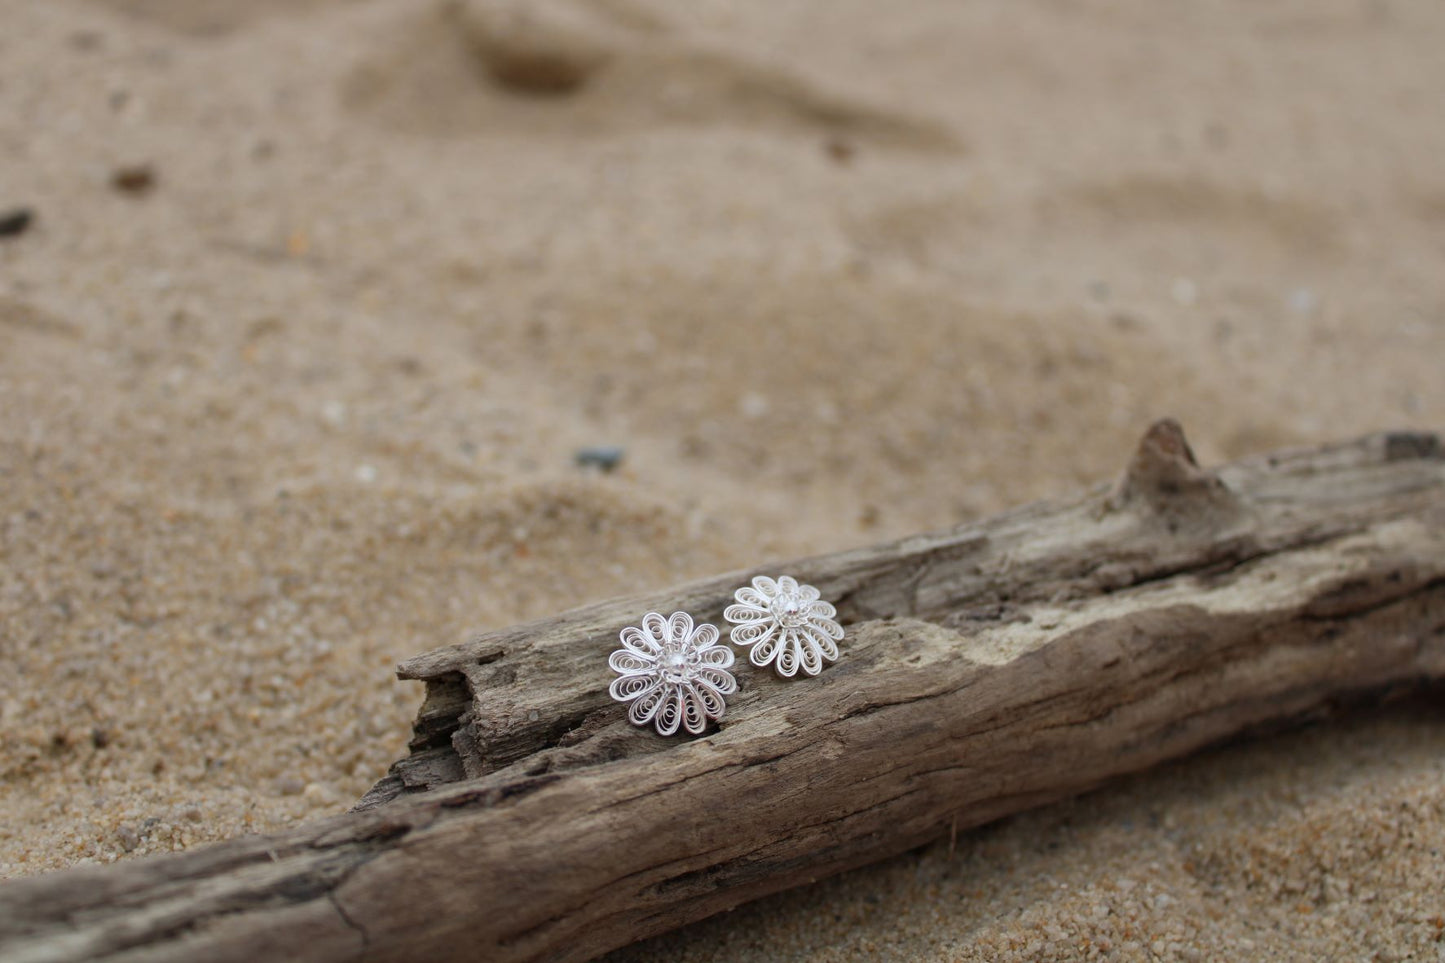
1413	445
1165	479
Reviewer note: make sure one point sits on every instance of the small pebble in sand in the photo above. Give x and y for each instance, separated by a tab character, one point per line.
134	179
15	221
87	40
127	837
604	458
753	405
840	150
532	48
1303	301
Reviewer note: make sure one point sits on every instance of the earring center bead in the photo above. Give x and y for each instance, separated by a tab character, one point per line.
674	665
790	610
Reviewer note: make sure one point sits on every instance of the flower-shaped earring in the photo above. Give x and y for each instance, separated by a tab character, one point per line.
672	673
786	624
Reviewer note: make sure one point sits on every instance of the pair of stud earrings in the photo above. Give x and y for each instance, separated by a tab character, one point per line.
675	674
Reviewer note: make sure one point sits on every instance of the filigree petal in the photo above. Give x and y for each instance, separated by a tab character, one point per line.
716	679
717	656
826	646
704	636
628	662
766	587
639	642
810	660
767	647
655	626
670	712
679	627
629	687
694	714
786	583
748	595
828	627
745	613
711	699
642	710
807	593
788	654
753	633
822	610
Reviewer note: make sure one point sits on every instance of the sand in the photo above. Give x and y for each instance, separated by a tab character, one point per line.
319	300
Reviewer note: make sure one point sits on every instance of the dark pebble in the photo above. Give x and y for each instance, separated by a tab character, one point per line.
839	150
133	178
127	836
87	40
604	458
14	222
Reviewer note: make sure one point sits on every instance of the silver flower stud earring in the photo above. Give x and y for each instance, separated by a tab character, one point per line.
785	624
674	673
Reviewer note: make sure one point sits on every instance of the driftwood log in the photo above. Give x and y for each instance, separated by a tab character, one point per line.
986	670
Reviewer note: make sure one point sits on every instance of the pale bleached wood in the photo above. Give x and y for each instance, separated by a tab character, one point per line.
987	670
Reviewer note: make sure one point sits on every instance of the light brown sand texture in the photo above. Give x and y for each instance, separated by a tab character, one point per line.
302	398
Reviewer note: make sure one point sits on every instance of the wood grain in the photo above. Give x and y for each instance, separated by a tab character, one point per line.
987	669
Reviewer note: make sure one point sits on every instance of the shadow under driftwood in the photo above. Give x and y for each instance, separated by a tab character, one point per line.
1255	848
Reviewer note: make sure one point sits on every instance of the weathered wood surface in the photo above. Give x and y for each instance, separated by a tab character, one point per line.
986	670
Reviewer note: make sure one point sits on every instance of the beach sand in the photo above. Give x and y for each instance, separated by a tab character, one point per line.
318	300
